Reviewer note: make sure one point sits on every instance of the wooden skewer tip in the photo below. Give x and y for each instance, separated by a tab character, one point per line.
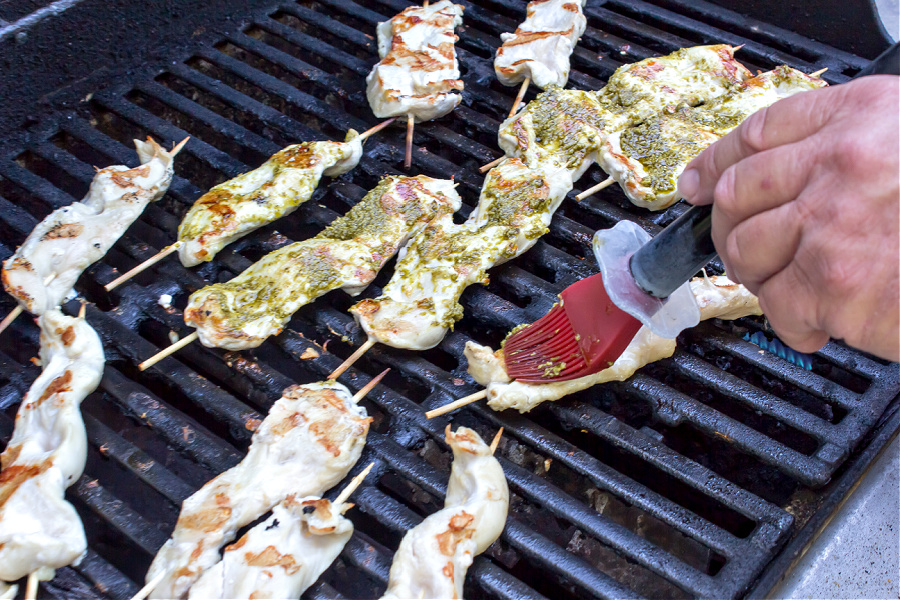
410	124
593	190
168	351
490	165
368	387
496	441
179	146
351	487
11	317
143	266
82	310
456	404
818	73
352	359
151	585
49	278
376	129
519	96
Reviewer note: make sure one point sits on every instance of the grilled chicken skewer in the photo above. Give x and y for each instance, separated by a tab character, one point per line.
555	139
717	297
309	441
348	254
285	554
418	75
434	556
647	159
39	530
44	268
241	205
538	52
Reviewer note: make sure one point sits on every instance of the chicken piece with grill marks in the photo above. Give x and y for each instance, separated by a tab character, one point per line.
421	302
282	556
39	530
44	268
310	440
541	45
718	297
418	74
275	189
571	125
348	254
434	556
647	159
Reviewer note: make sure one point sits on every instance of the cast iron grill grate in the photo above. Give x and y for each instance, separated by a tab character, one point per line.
686	479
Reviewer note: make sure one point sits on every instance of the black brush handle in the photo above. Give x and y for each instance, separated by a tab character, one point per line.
664	263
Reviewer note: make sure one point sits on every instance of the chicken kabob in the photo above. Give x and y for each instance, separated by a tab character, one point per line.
241	205
285	554
39	530
311	438
556	138
43	270
717	297
538	51
647	159
418	74
434	556
348	254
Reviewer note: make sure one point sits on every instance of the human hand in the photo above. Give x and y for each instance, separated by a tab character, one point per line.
806	213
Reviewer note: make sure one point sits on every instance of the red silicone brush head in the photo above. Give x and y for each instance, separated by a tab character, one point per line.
583	334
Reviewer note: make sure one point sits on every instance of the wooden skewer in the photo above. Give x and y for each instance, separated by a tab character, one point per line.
143	266
490	165
151	585
18	310
410	123
818	73
375	129
170	350
352	359
351	487
82	310
31	586
178	147
456	404
496	441
519	96
593	190
11	317
368	387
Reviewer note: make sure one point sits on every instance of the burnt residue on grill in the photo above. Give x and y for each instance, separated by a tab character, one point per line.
685	480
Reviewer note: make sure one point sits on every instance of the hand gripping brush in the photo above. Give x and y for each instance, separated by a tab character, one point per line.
642	281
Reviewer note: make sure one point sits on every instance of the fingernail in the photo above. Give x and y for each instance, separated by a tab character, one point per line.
689	183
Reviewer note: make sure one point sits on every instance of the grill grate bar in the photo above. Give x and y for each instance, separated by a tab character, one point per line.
215	121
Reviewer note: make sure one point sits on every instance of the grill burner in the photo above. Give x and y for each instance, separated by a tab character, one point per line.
687	479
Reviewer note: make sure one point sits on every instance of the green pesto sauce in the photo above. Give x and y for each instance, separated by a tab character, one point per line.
366	217
507	204
563	119
299	262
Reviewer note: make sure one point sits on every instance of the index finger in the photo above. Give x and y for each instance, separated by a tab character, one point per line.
785	122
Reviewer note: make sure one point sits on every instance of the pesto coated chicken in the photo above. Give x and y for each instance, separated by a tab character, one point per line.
277	188
647	159
421	302
571	125
348	254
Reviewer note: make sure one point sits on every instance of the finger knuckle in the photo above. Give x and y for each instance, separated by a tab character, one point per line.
752	132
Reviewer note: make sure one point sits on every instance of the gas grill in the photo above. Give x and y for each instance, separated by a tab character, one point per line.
703	475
